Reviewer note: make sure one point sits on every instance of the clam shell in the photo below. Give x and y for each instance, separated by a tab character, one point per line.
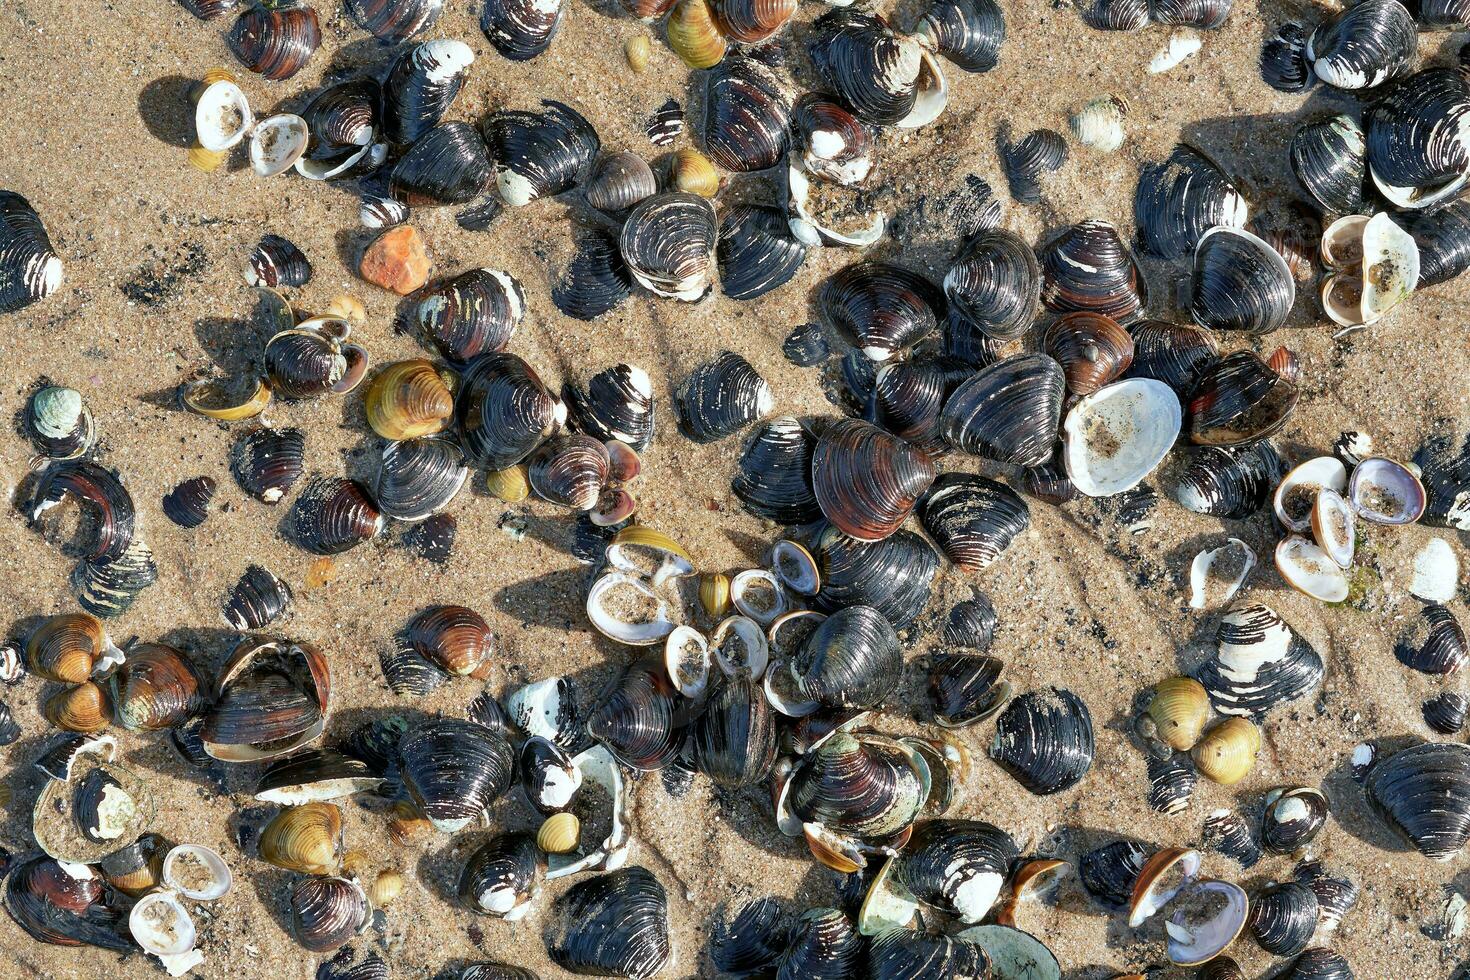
1319	963
257	600
774	475
1116	436
540	154
888	79
1088	268
455	639
957	866
1239	400
1259	662
1183	197
751	940
1044	740
447	164
454	770
1116	15
722	397
973	519
971	624
222	116
668	244
1284	64
1227	832
1416	157
904	954
474	313
1229	482
268	462
1423	792
1174	353
851	660
616	405
395	21
1009	411
421	83
273	697
835	145
965	689
1434	642
333	515
863	785
570	471
969	33
866	481
1029	159
595	281
1171	784
109	586
1091	348
97	489
756	252
822	943
1292	820
1108	872
521	29
1366	45
1240	283
747	109
275	261
995	283
734	741
892	575
1336	894
327	912
1330	160
504	411
1443	237
312	775
277	143
619	181
1206	15
275	42
58	422
502	877
613	924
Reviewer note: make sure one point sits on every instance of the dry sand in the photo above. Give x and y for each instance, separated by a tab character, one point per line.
93	129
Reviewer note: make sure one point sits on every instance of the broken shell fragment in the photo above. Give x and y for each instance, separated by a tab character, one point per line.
1217	574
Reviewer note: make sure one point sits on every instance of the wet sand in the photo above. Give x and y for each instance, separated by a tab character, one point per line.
93	128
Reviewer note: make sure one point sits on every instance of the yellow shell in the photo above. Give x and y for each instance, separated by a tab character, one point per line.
66	647
695	174
356	863
387	886
1226	752
694	36
203	397
206	161
638	51
345	306
509	484
78	709
830	849
218	74
647	551
1180	708
407	823
559	833
407	400
305	838
714	594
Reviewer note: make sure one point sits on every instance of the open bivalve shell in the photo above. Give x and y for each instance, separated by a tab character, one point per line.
273	698
277	143
1375	267
94	807
1217	574
222	116
1296	495
1310	570
160	923
1386	492
1115	436
1205	915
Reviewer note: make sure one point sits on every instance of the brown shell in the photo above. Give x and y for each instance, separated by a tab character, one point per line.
1093	349
156	687
454	638
270	733
749	21
866	480
306	838
407	400
78	709
65	648
570	471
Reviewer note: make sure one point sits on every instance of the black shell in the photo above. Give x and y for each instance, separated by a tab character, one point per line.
773	478
540	154
1442	14
257	600
971	624
109	586
1283	917
966	341
851	660
892	575
375	743
1044	739
867	480
880	308
54	907
549	777
749	943
902	954
1292	821
967	32
734	740
98	789
908	396
419	477
569	471
58	422
395	21
520	29
1368	44
1116	15
616	405
327	912
9	729
823	945
641	719
496	971
455	769
1330	160
407	672
1412	141
943	857
1049	482
1109	872
1227	832
1009	411
666	123
1241	676
480	215
101	492
1318	963
209	9
276	261
873	69
1171	783
1203	14
973	519
615	924
504	411
1180	199
305	363
1029	159
1443	236
314	774
1434	643
420	85
995	283
756	252
474	313
1446	711
834	144
595	281
1336	894
619	181
863	785
721	397
747	114
1240	283
434	538
1174	353
448	164
1229	482
501	875
547	708
1239	400
668	244
966	689
1445	473
1087	267
275	42
1284	64
334	514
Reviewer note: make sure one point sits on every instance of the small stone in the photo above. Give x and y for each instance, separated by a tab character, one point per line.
396	260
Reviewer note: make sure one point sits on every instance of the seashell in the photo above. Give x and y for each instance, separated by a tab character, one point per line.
395	21
637	721
521	29
822	213
67	647
1259	662
313	775
616	405
156	687
333	515
495	971
734	740
480	215
1375	266
886	78
1434	643
406	400
750	22
1178	708
474	313
1436	574
721	397
973	519
892	575
1330	160
559	833
908	396
276	262
208	9
1088	268
866	481
1423	792
620	181
502	877
666	123
1099	123
822	943
455	639
109	586
773	478
1229	482
1174	353
268	462
448	164
327	912
1116	436
1217	574
1240	283
1009	411
569	471
504	411
1443	237
693	33
273	698
30	269
548	776
1206	15
1029	159
965	689
851	660
595	281
136	869
420	85
540	154
1239	400
1226	753
306	838
902	954
1386	492
547	708
1182	44
100	492
1365	46
1044	740
454	770
747	110
306	362
1284	64
1446	712
381	212
1310	570
1226	831
1414	156
277	143
835	145
752	940
864	785
1293	819
995	283
756	252
971	624
1283	917
58	422
1108	872
668	244
1336	894
1171	784
408	674
1319	963
78	709
1091	348
614	924
758	596
1179	200
433	539
275	42
1205	915
54	906
967	32
957	866
1116	15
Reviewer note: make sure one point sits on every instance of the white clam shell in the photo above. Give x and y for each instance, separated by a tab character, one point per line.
277	143
1114	437
222	116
